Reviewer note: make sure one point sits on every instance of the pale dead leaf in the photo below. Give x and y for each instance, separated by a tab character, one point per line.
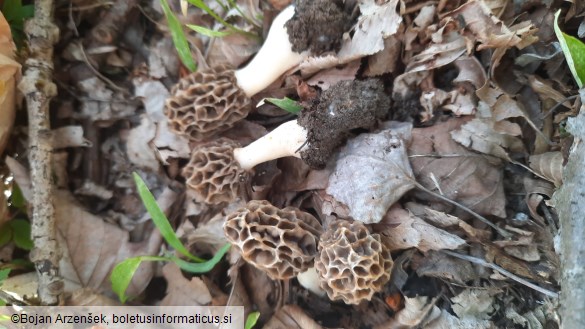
375	23
415	232
89	297
182	291
438	265
463	176
329	77
386	60
162	59
371	173
291	317
549	165
104	104
470	71
476	303
437	55
69	136
138	145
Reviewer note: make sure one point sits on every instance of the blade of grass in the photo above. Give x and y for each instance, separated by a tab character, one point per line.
124	271
286	104
179	38
205	266
160	220
207	32
574	51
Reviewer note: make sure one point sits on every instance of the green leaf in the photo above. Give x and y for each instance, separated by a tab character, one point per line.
179	38
160	220
207	32
574	51
205	266
4	275
123	272
286	104
251	320
17	199
5	234
21	234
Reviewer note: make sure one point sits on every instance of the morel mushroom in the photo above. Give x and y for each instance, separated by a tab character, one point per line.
280	242
352	263
212	173
211	101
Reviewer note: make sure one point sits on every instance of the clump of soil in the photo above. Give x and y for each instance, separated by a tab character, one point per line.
317	25
345	106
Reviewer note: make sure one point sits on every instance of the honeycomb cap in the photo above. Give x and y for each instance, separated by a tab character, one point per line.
280	242
352	263
212	173
206	103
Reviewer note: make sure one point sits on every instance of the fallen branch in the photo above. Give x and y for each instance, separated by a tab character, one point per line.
38	89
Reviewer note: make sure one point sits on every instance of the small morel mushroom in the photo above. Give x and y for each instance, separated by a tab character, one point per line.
211	101
212	173
280	242
352	263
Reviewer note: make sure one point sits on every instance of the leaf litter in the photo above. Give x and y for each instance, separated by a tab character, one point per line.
472	91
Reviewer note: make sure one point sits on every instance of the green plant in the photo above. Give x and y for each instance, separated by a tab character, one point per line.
17	230
574	51
123	272
286	104
15	14
178	35
251	320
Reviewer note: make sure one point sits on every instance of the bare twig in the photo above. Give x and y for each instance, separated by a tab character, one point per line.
38	89
502	271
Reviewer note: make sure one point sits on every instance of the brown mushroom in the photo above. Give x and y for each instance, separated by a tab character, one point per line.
206	102
352	263
280	242
212	173
211	101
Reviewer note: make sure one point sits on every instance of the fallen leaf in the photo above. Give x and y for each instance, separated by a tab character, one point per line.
375	23
386	60
138	145
89	297
438	265
476	303
549	165
69	136
182	291
415	232
460	175
329	77
291	317
371	173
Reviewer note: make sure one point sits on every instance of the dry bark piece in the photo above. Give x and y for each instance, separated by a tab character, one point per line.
345	106
212	172
281	242
206	102
352	264
318	25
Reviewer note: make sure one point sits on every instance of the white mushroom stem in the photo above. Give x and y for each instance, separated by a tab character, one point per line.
310	281
288	139
274	58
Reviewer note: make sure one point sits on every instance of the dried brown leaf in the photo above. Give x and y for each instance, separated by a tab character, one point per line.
415	232
549	165
371	173
477	303
291	317
182	291
442	165
329	77
439	265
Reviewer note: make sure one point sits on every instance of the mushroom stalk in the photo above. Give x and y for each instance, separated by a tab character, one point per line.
309	279
288	139
274	58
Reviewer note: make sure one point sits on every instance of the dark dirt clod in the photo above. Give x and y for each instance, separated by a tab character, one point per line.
317	25
345	106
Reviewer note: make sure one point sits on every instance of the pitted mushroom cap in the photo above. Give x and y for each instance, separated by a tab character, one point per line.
352	263
206	103
212	173
281	242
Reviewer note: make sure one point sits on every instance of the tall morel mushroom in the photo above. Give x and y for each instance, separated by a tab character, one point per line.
352	263
280	242
211	101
